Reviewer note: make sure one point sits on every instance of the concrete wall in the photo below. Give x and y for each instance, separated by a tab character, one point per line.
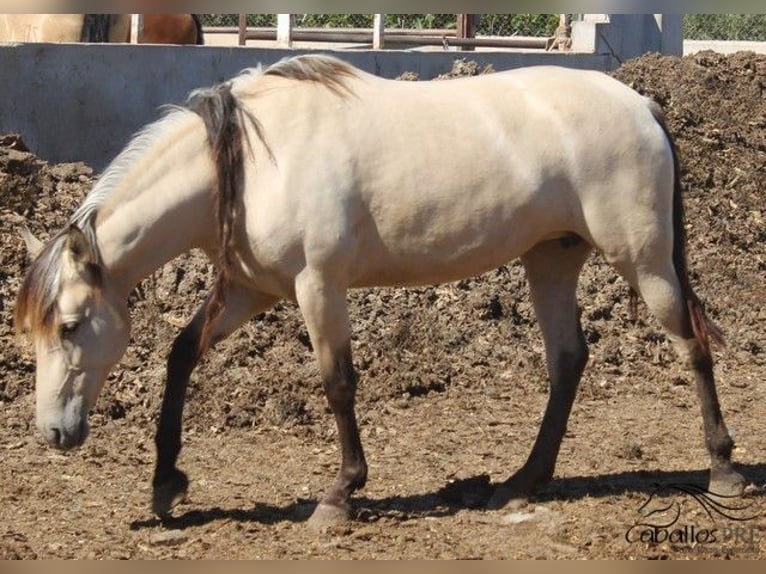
626	36
77	102
723	46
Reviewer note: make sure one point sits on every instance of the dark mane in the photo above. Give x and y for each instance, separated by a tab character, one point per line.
224	119
226	122
326	70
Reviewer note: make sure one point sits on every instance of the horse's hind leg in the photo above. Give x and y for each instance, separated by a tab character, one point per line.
169	483
324	310
552	270
659	285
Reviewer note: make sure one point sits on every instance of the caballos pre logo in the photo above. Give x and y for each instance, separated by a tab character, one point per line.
664	518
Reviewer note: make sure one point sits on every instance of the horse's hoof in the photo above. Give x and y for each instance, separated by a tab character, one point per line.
505	498
169	493
513	493
726	483
329	515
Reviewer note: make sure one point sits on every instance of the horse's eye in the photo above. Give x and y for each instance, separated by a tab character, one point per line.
68	328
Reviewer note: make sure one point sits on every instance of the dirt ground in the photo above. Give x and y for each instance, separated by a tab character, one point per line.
452	389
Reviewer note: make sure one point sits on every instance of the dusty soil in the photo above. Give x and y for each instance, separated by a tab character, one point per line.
452	391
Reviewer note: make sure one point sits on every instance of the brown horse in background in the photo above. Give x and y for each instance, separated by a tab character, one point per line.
172	29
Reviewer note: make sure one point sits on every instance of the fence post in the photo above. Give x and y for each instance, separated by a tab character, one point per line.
242	29
136	28
285	30
378	31
562	39
466	28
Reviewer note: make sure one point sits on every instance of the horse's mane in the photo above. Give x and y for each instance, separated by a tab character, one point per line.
225	118
322	69
225	121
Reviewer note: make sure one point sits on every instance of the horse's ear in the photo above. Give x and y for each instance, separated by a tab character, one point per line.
79	247
34	245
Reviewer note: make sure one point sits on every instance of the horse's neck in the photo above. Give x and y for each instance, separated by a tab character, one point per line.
168	212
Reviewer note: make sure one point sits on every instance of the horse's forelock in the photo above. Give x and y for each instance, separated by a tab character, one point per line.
35	310
35	313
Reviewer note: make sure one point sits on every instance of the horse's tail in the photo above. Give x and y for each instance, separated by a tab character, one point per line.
200	39
95	28
697	323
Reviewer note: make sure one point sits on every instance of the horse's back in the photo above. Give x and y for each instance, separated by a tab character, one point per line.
432	181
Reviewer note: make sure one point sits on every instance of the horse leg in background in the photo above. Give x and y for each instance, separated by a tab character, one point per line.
552	268
659	286
324	310
169	483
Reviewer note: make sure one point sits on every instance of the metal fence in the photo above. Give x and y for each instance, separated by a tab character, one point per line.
750	27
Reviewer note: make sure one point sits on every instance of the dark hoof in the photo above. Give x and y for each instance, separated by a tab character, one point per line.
726	482
515	491
508	498
168	492
329	515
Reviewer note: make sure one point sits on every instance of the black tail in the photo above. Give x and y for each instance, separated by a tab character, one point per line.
198	25
95	28
697	323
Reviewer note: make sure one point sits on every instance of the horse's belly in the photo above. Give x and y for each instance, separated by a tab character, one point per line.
434	234
420	271
423	262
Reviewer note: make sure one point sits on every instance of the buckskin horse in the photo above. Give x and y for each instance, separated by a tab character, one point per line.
92	28
64	27
311	177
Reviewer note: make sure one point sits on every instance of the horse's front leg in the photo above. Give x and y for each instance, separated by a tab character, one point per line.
169	483
324	309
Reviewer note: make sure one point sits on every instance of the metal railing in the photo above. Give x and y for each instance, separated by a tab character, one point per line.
450	31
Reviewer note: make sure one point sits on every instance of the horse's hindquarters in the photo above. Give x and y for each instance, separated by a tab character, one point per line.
40	27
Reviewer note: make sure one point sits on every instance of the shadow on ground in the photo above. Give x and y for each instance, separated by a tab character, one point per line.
461	494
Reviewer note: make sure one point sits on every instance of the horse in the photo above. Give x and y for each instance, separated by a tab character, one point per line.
172	29
97	28
64	27
310	177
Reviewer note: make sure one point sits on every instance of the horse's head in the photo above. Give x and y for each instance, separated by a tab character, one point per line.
80	328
